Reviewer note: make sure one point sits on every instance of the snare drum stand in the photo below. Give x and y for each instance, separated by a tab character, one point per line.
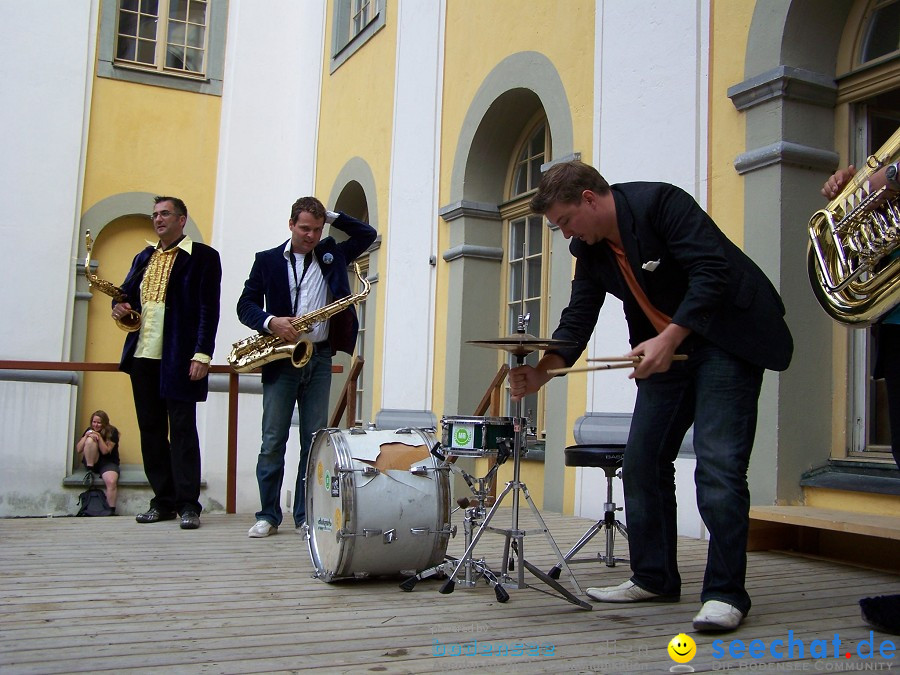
515	537
475	512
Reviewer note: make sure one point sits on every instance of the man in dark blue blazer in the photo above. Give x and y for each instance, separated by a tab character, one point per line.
294	279
175	286
685	289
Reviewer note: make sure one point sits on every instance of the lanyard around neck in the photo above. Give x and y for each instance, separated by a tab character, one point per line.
306	260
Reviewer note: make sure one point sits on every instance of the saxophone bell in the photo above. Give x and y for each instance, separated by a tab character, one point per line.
301	353
131	321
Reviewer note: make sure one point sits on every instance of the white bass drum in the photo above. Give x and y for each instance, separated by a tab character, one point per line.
377	503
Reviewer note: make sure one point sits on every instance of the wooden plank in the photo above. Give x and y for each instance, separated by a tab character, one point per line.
873	525
82	594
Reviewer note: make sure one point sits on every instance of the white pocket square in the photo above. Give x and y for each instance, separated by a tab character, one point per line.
650	265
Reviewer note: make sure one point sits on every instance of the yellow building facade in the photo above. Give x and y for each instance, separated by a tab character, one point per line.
432	121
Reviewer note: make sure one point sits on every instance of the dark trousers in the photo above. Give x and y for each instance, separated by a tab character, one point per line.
887	366
718	394
170	445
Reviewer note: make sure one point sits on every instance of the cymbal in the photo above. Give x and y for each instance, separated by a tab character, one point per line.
520	344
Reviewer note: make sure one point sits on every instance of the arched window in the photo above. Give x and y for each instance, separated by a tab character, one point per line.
352	201
881	38
526	245
870	88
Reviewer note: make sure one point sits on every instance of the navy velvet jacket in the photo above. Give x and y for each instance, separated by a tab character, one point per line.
191	318
267	286
688	269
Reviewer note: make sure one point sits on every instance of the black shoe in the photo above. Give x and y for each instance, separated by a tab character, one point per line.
154	515
190	520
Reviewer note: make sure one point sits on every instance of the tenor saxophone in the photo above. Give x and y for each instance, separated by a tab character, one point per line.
852	261
132	320
258	350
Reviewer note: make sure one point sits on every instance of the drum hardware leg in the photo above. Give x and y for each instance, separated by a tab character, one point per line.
514	535
473	513
609	524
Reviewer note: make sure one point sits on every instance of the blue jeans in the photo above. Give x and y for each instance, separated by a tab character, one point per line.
717	393
284	386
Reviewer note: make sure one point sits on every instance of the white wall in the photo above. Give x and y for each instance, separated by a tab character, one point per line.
39	417
267	159
267	150
651	119
45	68
409	283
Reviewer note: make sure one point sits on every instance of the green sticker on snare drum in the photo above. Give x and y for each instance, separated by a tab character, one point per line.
464	436
327	480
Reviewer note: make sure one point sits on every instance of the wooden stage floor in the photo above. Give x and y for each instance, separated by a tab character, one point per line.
108	594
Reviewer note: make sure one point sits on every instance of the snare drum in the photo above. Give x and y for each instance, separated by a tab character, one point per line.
476	436
377	503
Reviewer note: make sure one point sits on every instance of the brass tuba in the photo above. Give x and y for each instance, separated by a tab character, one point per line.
853	274
259	349
131	321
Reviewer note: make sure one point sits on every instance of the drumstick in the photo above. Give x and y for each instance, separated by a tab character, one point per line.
585	369
632	359
629	362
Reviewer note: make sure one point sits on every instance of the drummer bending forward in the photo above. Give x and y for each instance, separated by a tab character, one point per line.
295	278
685	288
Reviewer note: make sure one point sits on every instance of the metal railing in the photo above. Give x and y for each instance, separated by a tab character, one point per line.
346	402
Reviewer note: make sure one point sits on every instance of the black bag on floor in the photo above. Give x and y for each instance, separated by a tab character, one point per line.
93	503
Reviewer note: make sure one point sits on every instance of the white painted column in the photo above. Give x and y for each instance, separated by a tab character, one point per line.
651	124
267	159
48	52
268	133
411	237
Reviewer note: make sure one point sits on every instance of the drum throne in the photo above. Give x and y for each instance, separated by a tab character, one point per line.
609	458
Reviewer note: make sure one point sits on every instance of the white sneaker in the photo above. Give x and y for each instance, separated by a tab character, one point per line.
262	528
628	591
716	615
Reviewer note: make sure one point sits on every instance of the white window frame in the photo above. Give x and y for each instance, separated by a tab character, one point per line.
346	39
209	82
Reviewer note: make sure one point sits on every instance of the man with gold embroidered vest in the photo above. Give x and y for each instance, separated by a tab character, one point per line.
175	285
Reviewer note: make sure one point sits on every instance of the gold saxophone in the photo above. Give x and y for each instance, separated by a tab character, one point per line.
258	350
853	275
131	321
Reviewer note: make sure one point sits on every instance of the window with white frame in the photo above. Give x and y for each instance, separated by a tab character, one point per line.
178	44
873	98
527	240
354	22
881	38
165	35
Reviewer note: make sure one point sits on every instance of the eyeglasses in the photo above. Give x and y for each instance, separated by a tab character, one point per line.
163	214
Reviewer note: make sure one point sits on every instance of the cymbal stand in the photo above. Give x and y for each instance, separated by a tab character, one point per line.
515	537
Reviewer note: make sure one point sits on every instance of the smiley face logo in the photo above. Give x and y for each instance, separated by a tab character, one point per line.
682	648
